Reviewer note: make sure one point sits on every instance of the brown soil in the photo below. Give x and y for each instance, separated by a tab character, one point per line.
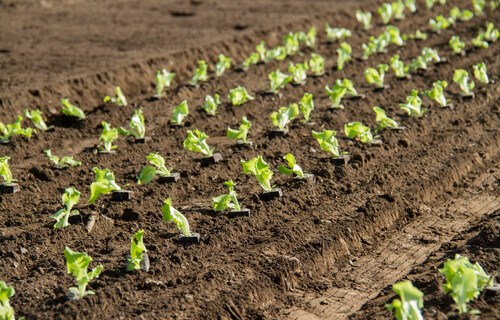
292	252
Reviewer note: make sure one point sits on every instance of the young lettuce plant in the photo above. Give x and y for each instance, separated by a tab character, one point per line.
163	80
457	46
104	183
138	252
431	55
198	143
374	76
418	35
239	95
480	72
464	280
200	74
306	106
6	310
261	50
119	100
317	64
328	142
479	41
364	18
461	77
172	214
308	38
418	63
148	173
437	93
211	104
241	133
180	112
360	132
430	3
411	303
478	6
67	161
278	79
260	169
494	5
410	4
457	14
70	197
294	167
278	53
398	8
298	72
394	35
284	115
336	34
72	110
385	12
491	34
5	172
11	129
292	45
337	93
229	200
107	136
383	121
344	55
251	59
413	105
399	67
223	64
77	264
36	117
138	128
440	23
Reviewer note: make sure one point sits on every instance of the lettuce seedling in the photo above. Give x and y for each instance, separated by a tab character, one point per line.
336	34
394	35
72	110
317	64
369	48
278	53
138	128
430	55
491	34
413	105
5	172
261	50
479	41
461	77
398	8
480	72
284	115
411	303
36	117
163	80
308	38
360	132
260	169
148	173
399	67
107	136
430	3
419	35
104	183
306	106
457	14
292	45
294	167
198	143
6	310
440	23
77	264
137	249
241	133
171	214
180	112
224	201
11	129
385	12
457	46
478	6
344	55
383	120
336	94
418	63
200	74
223	64
278	79
120	98
437	93
298	72
410	4
67	161
70	197
494	5
374	76
464	280
328	142
251	59
211	104
239	95
364	18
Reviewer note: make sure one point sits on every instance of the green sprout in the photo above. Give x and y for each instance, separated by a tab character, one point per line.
410	4
344	55
430	3
180	112
398	66
72	110
36	117
261	50
374	76
494	5
298	72
491	34
200	74
383	120
278	79
241	133
77	264
411	303
440	23
418	63
11	129
457	14
198	143
5	172
336	93
163	80
308	38
70	197
328	142
478	6
437	93
457	46
239	95
6	310
284	115
398	8
306	106
138	129
364	18
294	167
394	35
480	72
479	41
360	132
137	250
278	53
419	35
119	100
148	173
385	12
413	105
260	169
104	183
430	55
107	136
336	34
292	45
171	214
461	77
211	104
229	200
251	59
223	64
317	64
67	161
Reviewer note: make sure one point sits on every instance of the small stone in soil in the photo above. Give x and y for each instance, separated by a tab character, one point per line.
173	177
270	195
9	188
240	213
216	157
143	140
122	195
193	239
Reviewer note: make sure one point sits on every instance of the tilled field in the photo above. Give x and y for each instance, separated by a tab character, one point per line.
400	208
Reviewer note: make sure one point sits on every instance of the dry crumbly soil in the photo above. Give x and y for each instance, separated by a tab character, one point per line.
402	207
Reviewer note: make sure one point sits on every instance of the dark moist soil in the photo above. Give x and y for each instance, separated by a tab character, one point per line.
243	267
